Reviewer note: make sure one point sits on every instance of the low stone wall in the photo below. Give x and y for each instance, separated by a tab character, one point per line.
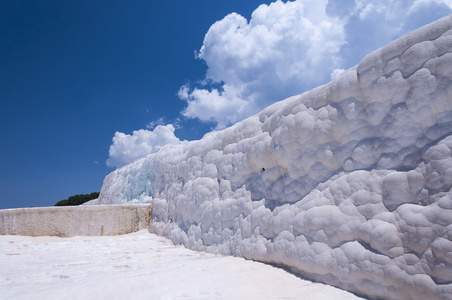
92	220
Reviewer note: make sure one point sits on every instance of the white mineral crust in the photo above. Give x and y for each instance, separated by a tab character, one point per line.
139	266
348	184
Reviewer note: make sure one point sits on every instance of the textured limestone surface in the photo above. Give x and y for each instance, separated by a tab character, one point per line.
347	184
75	220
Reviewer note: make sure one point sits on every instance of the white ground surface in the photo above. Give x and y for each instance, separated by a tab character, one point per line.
140	266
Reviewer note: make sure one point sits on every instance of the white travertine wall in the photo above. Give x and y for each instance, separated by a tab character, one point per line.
75	220
348	184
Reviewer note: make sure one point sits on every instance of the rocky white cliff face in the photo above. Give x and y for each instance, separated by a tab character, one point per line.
348	184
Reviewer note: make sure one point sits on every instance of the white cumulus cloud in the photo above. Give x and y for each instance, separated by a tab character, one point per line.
127	148
284	49
290	47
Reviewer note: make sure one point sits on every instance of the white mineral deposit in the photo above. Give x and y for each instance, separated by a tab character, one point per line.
348	184
140	266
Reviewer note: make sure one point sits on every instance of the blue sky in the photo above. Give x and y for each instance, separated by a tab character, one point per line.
87	86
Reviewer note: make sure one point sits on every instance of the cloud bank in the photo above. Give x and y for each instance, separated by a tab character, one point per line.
290	47
126	148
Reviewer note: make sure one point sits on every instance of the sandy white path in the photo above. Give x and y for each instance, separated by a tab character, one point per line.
139	266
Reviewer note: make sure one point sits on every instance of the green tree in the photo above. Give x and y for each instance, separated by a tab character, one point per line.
77	199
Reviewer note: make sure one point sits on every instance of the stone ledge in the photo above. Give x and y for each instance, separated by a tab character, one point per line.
89	220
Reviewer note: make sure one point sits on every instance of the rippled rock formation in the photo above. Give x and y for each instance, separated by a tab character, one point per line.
348	184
